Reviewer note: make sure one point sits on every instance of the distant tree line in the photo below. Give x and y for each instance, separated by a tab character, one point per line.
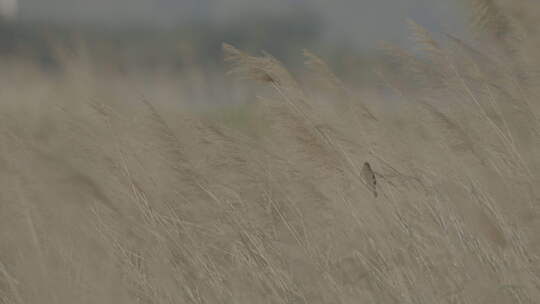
193	43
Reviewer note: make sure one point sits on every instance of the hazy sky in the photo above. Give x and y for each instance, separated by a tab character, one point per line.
362	21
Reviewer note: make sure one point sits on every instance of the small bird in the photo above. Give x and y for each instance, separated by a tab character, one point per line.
369	178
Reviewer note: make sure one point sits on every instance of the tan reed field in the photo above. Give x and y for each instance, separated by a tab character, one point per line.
266	187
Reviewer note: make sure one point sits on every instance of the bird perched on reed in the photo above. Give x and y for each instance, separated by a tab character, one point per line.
369	177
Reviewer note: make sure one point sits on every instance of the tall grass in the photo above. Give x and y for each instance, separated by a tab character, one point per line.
423	194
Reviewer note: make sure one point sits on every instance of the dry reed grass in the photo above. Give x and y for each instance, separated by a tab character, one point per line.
111	197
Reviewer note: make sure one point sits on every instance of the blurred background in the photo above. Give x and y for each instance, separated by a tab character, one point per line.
174	33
